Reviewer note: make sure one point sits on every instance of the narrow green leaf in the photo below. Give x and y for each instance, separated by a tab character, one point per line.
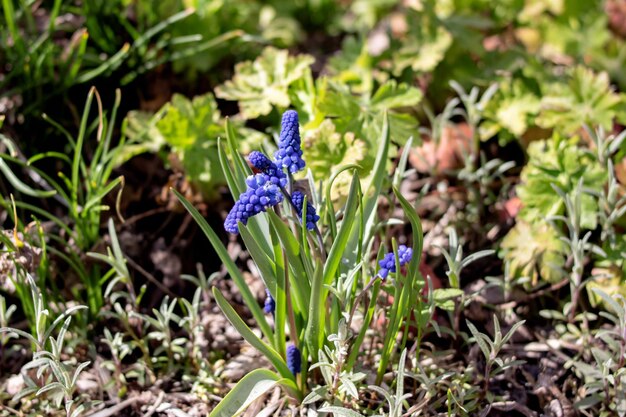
266	265
232	269
314	335
338	248
21	186
251	387
418	235
249	335
241	168
235	184
301	286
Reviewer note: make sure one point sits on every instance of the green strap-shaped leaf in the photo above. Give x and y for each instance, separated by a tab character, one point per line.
406	293
242	170
418	234
266	265
232	269
235	185
249	335
338	249
300	284
280	297
314	335
251	387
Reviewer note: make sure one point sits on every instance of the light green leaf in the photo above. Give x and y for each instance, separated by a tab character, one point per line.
559	162
261	84
251	387
340	411
534	251
587	99
444	297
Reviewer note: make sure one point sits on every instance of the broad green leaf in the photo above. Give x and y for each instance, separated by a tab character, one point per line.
261	84
392	95
444	297
534	251
190	128
328	152
562	163
511	110
426	44
587	99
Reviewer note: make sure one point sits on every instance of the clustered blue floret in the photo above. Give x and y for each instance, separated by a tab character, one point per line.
311	215
264	188
261	194
388	263
289	154
294	359
270	303
261	162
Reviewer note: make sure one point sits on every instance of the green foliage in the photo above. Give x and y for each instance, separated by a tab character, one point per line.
559	162
535	72
533	251
265	82
511	112
424	45
97	47
363	114
605	376
80	185
303	274
586	99
328	152
56	376
190	129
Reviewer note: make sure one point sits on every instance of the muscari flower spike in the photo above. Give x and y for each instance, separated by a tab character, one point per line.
289	154
262	163
311	215
261	194
294	359
388	263
270	303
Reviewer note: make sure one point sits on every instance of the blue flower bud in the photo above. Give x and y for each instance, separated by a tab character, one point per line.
261	162
289	154
311	215
270	303
388	263
261	194
294	359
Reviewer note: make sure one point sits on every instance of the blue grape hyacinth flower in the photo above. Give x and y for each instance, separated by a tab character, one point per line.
311	215
270	303
289	153
261	194
262	163
294	359
388	263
